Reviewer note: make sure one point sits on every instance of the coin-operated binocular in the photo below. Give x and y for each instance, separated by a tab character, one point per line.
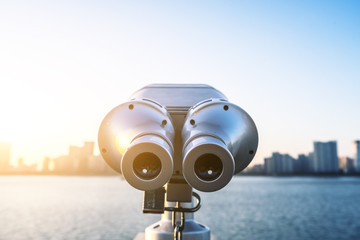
171	138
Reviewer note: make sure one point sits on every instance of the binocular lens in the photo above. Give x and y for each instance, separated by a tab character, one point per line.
208	167
147	166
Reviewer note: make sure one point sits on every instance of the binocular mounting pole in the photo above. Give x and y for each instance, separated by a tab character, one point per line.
177	220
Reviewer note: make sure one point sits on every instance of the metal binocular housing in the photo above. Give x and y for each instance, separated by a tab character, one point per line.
176	132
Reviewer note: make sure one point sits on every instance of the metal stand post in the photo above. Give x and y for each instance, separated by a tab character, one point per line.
177	223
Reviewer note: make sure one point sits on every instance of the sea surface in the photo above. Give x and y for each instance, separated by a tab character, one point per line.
59	207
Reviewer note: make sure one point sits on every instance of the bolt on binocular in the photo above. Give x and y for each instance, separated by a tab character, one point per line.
175	132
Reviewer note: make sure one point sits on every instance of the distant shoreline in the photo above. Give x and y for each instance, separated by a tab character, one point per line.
300	175
55	174
120	175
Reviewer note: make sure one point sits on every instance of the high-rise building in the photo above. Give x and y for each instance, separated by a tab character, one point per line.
346	164
326	157
302	164
311	162
4	156
86	153
80	160
97	164
46	164
279	164
255	169
79	156
61	164
357	155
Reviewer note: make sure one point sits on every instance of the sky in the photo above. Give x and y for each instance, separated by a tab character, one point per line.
292	65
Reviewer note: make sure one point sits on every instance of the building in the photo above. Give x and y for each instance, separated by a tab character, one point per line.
4	156
46	164
326	157
302	164
86	153
346	164
98	165
357	155
311	162
255	169
78	158
279	164
61	163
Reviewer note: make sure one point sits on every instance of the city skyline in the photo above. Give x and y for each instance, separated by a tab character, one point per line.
79	160
293	66
323	159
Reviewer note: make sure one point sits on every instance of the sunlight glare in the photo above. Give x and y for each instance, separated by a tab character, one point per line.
122	143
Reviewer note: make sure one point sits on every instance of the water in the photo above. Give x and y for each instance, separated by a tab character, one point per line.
37	207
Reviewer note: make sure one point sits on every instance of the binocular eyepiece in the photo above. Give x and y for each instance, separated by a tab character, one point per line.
178	131
136	139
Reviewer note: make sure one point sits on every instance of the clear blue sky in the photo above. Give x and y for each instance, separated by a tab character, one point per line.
292	65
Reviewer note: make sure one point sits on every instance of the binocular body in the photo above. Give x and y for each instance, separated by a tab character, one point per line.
177	132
